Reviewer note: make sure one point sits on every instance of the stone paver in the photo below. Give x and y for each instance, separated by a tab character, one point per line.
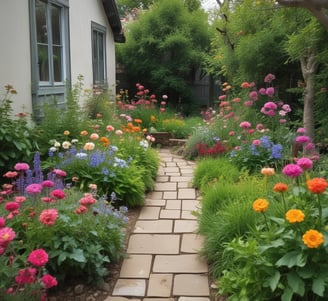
189	263
191	285
160	285
148	212
136	266
130	287
163	261
154	244
159	226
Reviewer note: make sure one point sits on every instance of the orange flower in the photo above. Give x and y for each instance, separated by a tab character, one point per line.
66	133
267	171
84	133
312	238
280	187
136	129
260	205
294	216
317	185
245	85
137	120
105	141
129	125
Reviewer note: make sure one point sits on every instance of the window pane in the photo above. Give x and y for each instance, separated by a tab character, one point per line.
55	22
43	62
41	22
57	61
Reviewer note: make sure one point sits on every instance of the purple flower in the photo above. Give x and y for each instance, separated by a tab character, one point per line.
292	170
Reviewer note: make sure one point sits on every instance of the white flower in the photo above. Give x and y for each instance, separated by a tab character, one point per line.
53	149
74	141
56	144
81	155
66	144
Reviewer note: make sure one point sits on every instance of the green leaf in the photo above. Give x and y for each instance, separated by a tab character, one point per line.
296	283
318	286
78	255
274	280
291	259
287	295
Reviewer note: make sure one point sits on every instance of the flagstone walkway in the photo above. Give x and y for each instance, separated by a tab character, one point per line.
163	262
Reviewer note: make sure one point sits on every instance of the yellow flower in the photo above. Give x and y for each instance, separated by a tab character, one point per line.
267	171
294	216
260	205
312	238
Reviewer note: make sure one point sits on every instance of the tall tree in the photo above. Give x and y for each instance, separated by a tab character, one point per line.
164	48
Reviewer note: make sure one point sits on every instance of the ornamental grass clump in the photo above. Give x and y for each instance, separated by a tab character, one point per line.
44	225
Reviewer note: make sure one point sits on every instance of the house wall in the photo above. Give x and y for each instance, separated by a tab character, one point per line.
15	58
82	12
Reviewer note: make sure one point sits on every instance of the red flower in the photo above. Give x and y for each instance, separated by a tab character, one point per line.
38	257
49	281
58	194
11	206
26	276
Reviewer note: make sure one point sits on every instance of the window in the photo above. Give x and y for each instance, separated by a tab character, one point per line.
99	54
49	50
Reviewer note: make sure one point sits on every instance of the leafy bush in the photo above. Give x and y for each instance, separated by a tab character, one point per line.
40	213
18	140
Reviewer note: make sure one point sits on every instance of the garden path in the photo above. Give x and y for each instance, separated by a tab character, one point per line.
163	263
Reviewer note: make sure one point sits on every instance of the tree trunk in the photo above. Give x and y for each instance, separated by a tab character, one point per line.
309	66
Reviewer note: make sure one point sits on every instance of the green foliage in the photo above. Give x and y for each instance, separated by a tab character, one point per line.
18	140
164	48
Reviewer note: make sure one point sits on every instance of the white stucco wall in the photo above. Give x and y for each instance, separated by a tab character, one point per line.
82	12
15	58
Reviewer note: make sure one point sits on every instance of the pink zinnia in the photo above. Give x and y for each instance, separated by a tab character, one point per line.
248	103
49	281
58	194
110	128
6	236
20	199
262	91
2	222
245	125
48	216
304	163
270	105
47	183
301	131
269	91
282	121
292	170
47	200
256	142
269	78
221	97
26	276
22	166
38	257
59	172
34	188
11	206
302	139
286	108
232	133
87	200
309	146
253	95
165	96
118	132
10	174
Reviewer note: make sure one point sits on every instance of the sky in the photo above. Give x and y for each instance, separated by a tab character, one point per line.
209	4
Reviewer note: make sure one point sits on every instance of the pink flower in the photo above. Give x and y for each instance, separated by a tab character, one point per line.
87	200
33	189
94	136
232	133
6	236
286	108
304	163
269	78
245	125
38	257
2	222
49	281
58	194
256	142
20	199
262	91
301	131
162	110
270	105
118	132
48	216
81	209
47	199
282	121
47	183
22	166
309	146
302	139
110	128
26	276
248	103
253	95
11	174
165	96
259	126
236	100
292	170
11	206
221	97
59	172
269	91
